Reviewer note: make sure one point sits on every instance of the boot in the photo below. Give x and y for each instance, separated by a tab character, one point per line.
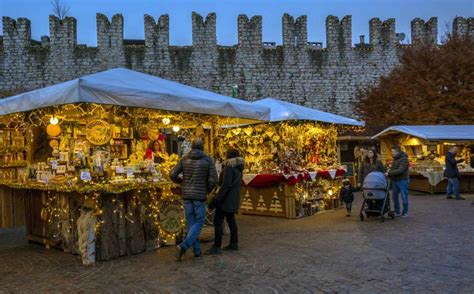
214	250
232	247
180	252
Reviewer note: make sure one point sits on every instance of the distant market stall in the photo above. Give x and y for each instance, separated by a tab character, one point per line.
426	146
292	168
91	157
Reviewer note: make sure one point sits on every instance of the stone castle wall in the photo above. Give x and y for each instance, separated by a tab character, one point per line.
297	71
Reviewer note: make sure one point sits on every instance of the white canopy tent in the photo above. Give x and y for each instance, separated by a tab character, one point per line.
282	111
433	132
124	87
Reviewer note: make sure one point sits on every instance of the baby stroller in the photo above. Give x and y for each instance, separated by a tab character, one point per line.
376	201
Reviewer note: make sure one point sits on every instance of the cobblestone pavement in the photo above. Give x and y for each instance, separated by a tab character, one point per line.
432	251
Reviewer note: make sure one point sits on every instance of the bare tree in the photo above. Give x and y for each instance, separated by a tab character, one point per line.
60	8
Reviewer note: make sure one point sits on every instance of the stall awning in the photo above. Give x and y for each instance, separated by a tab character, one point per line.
126	87
433	132
282	111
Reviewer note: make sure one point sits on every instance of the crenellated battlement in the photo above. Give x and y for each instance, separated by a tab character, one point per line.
16	33
204	31
157	33
250	31
298	70
110	33
295	33
422	32
463	26
62	33
339	33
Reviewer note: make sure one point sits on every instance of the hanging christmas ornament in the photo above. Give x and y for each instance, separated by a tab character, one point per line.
248	131
53	130
54	144
236	131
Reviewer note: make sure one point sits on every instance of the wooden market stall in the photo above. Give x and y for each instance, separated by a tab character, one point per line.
292	168
426	147
91	158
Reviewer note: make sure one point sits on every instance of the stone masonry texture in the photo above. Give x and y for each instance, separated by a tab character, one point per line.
297	71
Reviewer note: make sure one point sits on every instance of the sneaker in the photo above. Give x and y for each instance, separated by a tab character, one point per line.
232	247
405	215
179	253
398	214
198	257
460	198
449	197
214	250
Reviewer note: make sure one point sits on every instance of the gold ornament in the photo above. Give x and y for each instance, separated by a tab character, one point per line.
98	132
248	131
236	131
54	144
53	130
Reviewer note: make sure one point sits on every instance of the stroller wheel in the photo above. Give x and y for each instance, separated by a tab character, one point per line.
382	218
391	214
361	217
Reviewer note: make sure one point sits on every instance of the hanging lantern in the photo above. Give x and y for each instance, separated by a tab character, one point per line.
176	129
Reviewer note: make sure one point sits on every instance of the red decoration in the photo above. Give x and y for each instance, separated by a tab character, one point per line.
267	180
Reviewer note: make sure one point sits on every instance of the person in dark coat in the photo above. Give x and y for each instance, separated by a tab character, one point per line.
399	175
346	195
228	201
370	163
199	177
451	172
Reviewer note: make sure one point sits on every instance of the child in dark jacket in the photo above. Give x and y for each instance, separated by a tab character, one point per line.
347	195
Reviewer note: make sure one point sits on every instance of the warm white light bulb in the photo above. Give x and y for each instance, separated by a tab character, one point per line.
176	129
166	121
54	120
330	192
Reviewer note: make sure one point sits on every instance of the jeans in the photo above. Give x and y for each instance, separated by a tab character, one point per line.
400	187
348	206
195	216
218	229
453	187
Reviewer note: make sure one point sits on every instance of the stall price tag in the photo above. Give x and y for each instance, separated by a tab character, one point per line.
129	173
54	164
86	176
119	170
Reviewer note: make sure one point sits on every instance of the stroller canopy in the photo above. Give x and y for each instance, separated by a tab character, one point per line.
375	180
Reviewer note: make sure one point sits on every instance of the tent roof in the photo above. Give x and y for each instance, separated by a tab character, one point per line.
281	111
433	132
126	87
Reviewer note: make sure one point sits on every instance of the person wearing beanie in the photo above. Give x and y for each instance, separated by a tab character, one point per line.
197	175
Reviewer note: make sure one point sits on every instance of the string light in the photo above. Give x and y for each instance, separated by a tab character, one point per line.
166	121
54	120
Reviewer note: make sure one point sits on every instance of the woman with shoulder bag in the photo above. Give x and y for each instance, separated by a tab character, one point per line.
227	201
